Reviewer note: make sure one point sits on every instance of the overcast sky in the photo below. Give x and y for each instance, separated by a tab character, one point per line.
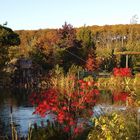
40	14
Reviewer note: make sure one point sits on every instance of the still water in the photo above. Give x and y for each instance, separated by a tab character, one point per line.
15	101
14	106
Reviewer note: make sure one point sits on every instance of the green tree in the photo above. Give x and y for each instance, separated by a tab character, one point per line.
86	37
7	38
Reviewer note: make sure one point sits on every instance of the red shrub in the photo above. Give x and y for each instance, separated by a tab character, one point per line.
68	107
123	72
121	96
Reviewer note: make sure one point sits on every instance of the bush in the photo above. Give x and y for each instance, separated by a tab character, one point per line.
115	126
137	79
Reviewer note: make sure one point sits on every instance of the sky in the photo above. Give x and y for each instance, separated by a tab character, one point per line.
42	14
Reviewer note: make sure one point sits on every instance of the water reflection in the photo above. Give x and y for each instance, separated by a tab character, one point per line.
16	103
120	96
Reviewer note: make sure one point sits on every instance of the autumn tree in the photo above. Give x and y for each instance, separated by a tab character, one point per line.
91	64
69	46
42	54
78	41
67	36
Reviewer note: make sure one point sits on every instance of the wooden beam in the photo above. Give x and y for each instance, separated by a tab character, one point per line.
127	61
126	53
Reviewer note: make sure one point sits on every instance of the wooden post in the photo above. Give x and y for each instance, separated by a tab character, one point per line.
127	61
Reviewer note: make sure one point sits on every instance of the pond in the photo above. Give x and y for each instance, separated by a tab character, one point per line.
14	106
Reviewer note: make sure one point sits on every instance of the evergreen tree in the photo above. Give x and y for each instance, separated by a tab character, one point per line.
7	38
69	46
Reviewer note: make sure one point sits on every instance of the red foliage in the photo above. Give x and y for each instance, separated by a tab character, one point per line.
68	107
91	63
121	96
123	72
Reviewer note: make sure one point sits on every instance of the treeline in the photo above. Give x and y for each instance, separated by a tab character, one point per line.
91	46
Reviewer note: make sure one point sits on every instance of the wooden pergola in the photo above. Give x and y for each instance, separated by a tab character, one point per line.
126	53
